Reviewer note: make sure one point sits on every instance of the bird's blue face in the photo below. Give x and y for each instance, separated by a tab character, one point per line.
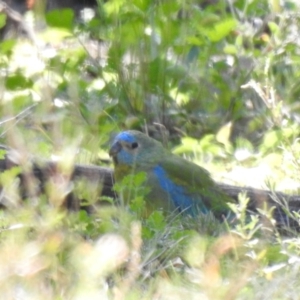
124	148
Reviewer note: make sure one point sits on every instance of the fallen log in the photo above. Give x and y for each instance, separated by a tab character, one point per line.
283	204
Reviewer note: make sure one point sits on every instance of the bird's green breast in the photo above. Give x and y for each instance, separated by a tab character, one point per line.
122	170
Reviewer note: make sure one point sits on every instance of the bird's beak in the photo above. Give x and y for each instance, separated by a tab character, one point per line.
115	149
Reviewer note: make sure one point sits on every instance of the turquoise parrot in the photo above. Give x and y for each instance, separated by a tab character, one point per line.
174	183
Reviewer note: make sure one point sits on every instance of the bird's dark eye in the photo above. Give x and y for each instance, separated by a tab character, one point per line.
134	145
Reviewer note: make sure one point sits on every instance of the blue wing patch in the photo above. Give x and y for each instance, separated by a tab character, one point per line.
181	199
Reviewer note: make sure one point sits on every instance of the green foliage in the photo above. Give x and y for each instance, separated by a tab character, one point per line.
62	18
245	228
131	190
18	82
2	20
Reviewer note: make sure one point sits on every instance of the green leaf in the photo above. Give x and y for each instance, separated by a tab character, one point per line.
274	138
196	41
188	144
223	135
7	46
230	49
2	20
9	175
113	7
62	18
156	221
275	29
17	82
221	30
3	153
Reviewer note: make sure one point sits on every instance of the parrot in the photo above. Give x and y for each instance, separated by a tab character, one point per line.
175	184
